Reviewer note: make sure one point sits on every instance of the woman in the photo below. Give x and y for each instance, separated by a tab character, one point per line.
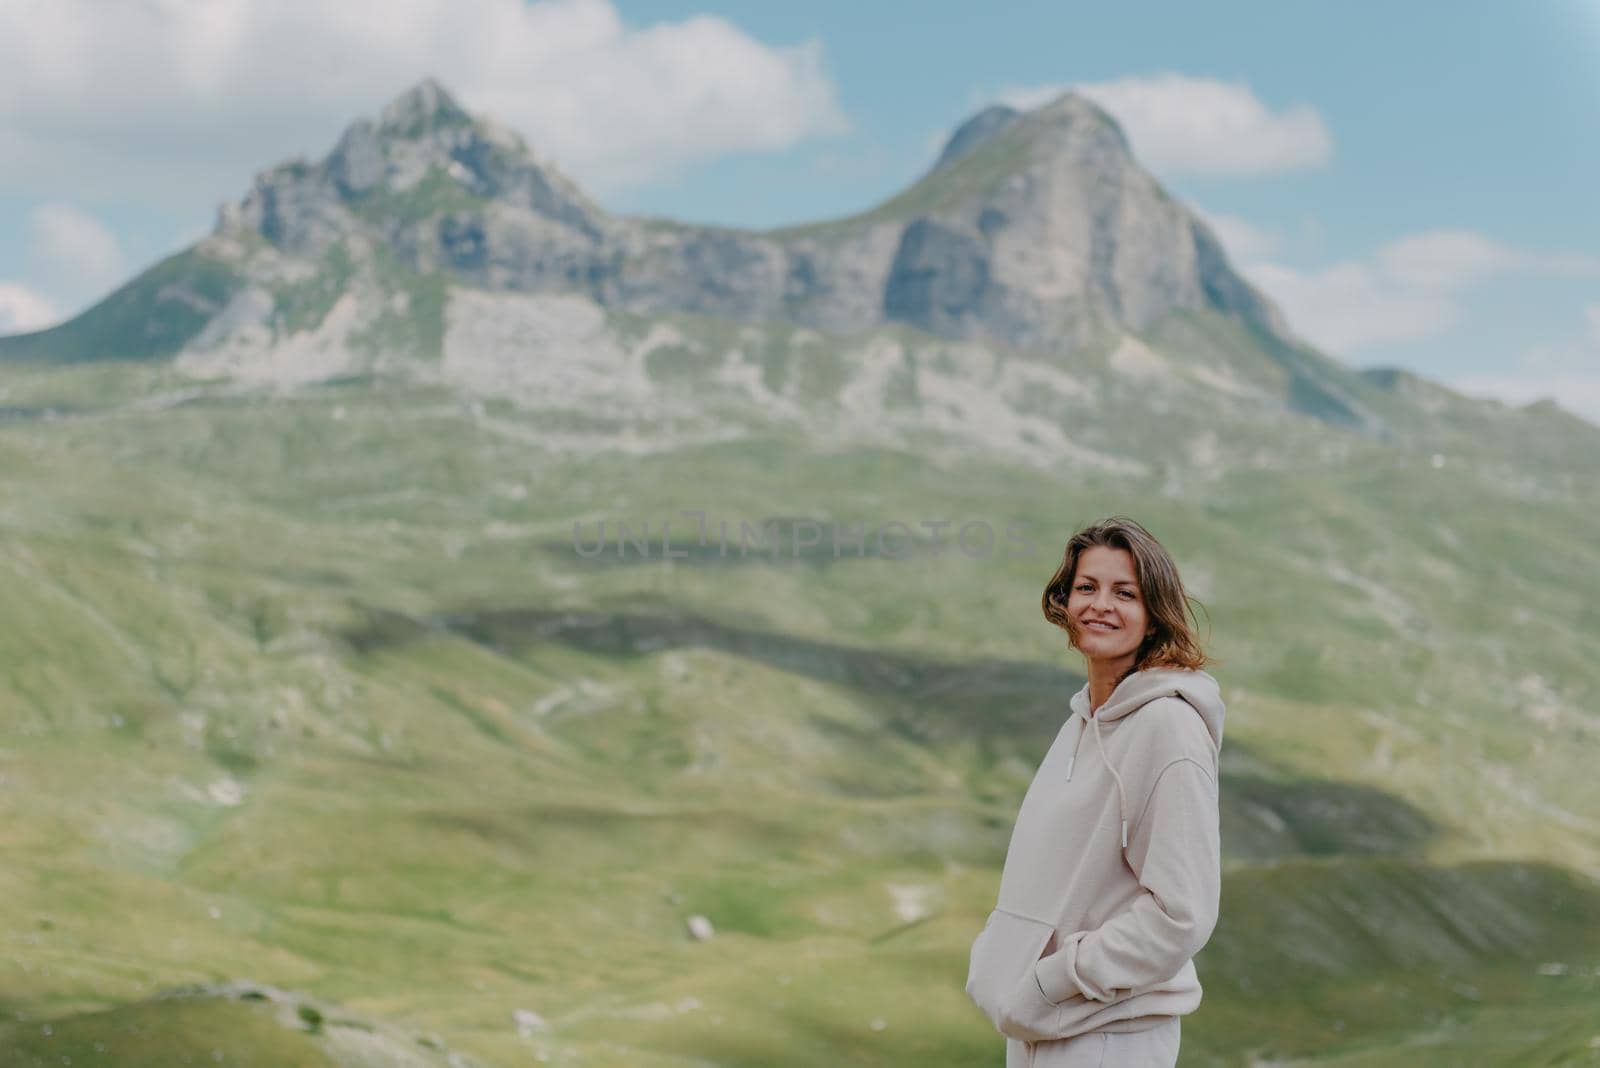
1113	876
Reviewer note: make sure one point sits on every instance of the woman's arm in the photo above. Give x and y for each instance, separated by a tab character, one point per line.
1175	850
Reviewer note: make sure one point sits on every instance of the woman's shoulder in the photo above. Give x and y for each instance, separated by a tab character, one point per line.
1168	714
1168	727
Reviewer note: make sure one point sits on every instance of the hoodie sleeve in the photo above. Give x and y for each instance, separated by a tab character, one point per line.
1175	850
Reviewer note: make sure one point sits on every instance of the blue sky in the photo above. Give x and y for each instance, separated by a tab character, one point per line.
1412	183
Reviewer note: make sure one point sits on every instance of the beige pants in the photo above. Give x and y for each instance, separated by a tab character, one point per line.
1155	1048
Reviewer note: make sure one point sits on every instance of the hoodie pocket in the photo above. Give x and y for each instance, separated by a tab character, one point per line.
1001	980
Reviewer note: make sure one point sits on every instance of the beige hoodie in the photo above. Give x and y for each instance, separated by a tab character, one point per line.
1113	876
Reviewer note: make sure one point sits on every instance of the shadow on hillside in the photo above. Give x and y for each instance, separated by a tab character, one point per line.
1265	818
231	1024
27	415
925	698
1002	705
1383	957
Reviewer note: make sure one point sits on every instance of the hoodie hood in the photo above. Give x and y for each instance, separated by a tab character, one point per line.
1198	688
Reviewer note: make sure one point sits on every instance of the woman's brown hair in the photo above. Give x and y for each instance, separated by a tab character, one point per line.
1173	643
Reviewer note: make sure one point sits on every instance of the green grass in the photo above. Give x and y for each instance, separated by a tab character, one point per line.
412	322
331	703
152	316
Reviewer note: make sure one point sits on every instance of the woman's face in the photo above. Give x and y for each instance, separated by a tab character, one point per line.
1105	605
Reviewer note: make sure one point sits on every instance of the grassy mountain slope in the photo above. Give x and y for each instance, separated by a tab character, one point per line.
318	689
152	316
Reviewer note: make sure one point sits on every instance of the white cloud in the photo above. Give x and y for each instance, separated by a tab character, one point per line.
1350	306
1450	259
73	250
182	99
1567	371
1180	124
1442	259
1409	289
1576	392
23	310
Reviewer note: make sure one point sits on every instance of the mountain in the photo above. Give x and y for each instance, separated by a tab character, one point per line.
1036	232
1024	228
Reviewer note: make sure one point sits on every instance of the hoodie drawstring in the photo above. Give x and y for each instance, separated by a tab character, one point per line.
1122	793
1074	758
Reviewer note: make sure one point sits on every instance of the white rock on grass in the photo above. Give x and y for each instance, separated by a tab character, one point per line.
226	791
1137	360
911	902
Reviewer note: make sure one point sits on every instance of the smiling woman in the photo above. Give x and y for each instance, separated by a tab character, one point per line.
1118	596
1112	880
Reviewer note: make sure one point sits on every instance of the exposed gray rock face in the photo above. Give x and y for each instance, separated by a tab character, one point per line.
1225	289
294	206
1031	228
357	163
715	271
1052	219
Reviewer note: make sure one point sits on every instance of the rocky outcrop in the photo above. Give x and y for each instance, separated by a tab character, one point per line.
428	180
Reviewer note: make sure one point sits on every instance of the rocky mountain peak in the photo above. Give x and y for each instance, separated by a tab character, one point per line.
1035	225
1070	120
1073	139
399	180
425	106
1073	109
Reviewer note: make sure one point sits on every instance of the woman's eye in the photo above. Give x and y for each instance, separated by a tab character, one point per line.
1128	594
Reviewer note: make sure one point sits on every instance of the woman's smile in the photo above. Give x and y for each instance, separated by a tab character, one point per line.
1108	612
